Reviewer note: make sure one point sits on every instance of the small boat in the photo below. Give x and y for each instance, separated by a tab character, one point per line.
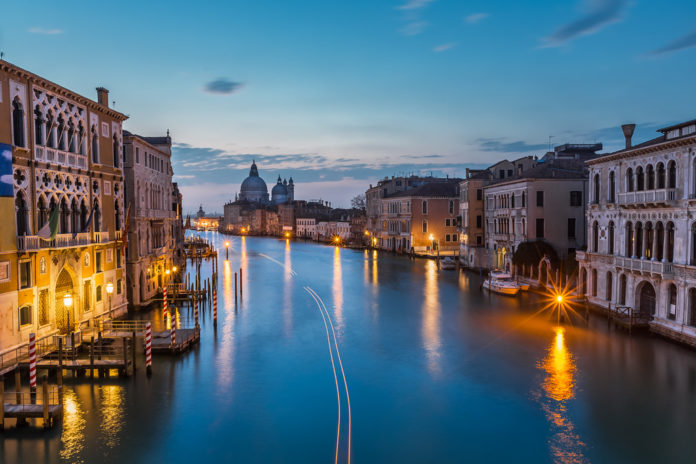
448	264
501	283
523	286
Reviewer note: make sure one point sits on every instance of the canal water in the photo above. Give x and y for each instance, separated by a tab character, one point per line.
424	366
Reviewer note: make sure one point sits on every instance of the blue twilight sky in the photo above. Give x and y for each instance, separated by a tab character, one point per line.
338	94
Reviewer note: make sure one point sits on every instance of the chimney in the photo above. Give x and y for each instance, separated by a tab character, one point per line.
103	96
628	133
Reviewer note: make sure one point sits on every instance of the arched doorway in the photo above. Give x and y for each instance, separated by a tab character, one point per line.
646	299
65	317
583	281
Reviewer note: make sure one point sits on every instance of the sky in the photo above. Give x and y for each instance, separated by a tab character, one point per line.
340	94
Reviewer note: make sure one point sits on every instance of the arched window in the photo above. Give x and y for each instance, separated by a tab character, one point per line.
660	237
18	123
38	126
595	237
75	217
524	203
612	187
648	240
117	152
594	282
95	145
97	218
83	216
629	240
692	307
609	287
117	216
50	130
64	217
21	212
672	175
72	140
670	242
651	177
672	303
660	175
81	137
43	214
629	180
596	189
622	289
639	240
61	133
640	179
583	281
610	247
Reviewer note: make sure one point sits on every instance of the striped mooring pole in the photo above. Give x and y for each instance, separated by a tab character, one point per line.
148	348
215	307
195	312
172	332
164	306
32	361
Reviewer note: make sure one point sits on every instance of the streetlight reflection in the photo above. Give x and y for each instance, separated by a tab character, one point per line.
431	318
112	414
287	290
338	290
73	436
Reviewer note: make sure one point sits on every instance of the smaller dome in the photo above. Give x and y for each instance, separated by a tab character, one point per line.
279	189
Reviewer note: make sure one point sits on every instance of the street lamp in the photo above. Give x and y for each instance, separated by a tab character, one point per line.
227	250
109	291
67	302
431	237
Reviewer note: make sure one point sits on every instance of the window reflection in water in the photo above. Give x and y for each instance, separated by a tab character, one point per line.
431	318
558	388
73	437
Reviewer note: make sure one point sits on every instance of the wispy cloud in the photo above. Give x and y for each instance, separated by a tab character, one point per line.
41	30
222	86
600	13
414	27
687	41
443	47
501	146
414	4
476	17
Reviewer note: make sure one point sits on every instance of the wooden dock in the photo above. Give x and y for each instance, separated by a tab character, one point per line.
46	404
185	340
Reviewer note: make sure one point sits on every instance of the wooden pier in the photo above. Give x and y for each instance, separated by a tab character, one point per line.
47	404
185	340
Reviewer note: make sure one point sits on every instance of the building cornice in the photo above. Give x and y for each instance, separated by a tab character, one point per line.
631	152
59	90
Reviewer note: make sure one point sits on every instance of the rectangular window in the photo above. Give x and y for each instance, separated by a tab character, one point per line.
25	274
454	238
451	207
447	238
425	207
98	261
118	287
87	297
479	194
571	227
99	293
540	228
137	155
25	315
540	198
43	307
4	271
425	227
509	174
575	198
479	240
479	221
447	222
118	259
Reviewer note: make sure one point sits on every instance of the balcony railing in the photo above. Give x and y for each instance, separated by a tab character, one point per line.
33	242
644	265
119	234
101	237
661	196
52	155
580	255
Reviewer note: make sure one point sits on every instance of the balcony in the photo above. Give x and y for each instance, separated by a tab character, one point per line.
580	255
34	242
645	266
119	234
51	155
101	237
660	197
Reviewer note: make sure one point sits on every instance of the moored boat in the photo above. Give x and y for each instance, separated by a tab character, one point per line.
501	283
448	264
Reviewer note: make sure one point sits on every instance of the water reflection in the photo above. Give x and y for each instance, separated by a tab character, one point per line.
73	437
431	318
558	388
375	262
225	359
287	291
338	290
112	414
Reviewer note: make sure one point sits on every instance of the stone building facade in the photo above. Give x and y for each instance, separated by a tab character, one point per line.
155	238
641	226
62	152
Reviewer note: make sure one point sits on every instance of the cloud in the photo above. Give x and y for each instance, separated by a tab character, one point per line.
443	47
414	4
414	27
476	17
687	41
41	30
222	86
600	13
509	147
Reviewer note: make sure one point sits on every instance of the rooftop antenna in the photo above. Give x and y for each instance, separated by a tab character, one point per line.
2	55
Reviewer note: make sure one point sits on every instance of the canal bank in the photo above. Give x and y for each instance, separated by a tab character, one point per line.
436	371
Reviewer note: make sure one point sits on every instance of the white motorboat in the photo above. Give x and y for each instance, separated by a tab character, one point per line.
501	283
448	264
523	286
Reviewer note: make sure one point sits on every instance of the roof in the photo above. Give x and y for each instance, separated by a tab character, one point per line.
431	189
551	169
676	126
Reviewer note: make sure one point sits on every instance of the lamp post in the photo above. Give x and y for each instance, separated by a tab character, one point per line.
227	250
68	302
109	291
431	237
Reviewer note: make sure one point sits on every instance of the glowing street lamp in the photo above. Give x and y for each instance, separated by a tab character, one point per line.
227	250
68	302
174	269
431	237
109	291
337	239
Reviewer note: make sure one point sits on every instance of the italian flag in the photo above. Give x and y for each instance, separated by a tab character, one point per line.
50	229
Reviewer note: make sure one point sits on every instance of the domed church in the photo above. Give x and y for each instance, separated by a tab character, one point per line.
254	189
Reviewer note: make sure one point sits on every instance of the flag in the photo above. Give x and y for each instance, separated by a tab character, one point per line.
124	237
87	224
50	229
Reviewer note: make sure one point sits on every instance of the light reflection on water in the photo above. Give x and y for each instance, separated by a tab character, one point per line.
558	389
112	414
431	318
337	289
73	436
287	291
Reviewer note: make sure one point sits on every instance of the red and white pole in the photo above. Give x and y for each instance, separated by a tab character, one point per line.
215	307
195	312
172	332
148	347
32	361
164	306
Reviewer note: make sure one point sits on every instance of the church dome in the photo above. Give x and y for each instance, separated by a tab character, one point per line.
254	187
279	194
